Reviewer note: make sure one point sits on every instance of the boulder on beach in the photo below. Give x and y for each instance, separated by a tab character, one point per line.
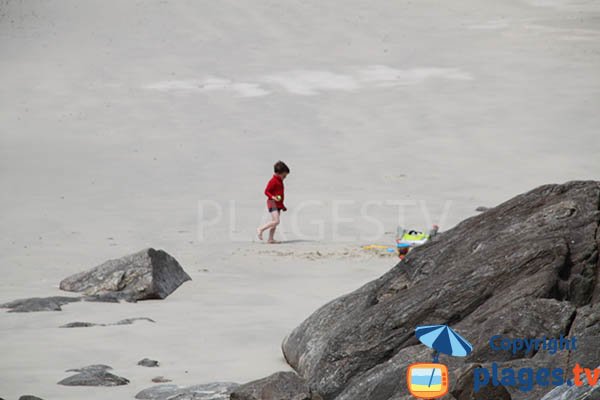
207	391
281	385
147	274
93	375
527	268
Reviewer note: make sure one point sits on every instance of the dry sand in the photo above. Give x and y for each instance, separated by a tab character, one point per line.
118	117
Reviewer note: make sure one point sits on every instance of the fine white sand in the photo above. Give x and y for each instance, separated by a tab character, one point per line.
129	124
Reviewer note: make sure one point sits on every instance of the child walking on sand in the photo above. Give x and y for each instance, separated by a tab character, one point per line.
275	196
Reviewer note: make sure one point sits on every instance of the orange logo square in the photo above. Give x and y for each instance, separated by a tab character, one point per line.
427	380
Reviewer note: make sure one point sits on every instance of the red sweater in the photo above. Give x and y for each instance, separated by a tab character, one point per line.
275	188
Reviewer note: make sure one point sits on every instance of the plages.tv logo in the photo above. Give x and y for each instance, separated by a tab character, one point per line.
430	380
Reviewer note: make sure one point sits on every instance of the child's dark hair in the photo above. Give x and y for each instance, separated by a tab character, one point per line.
281	168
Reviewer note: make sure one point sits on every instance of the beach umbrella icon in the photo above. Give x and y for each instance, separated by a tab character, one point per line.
443	339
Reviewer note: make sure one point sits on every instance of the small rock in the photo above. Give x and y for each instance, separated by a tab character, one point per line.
208	391
482	209
127	321
39	304
161	379
146	362
78	324
93	375
29	397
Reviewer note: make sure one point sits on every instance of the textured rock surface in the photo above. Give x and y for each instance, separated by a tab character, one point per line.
279	386
208	391
526	268
93	375
148	274
584	392
464	389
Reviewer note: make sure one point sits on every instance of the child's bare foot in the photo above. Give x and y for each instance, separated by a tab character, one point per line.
259	233
273	241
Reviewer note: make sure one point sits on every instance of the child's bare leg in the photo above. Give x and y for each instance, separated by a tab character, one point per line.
275	215
261	229
271	225
272	235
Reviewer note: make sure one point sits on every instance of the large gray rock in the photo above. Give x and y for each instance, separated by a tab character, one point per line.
526	268
208	391
279	386
148	274
93	375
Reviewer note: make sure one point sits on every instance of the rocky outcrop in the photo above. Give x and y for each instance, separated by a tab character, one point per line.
279	386
208	391
93	375
148	274
524	269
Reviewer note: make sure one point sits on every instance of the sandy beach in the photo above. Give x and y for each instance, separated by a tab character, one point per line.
126	125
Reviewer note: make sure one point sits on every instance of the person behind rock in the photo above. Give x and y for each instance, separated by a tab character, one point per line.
275	196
